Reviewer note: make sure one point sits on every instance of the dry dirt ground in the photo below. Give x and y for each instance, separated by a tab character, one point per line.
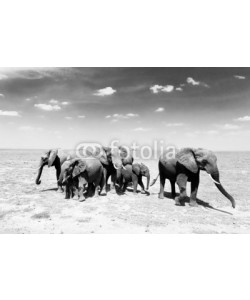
27	208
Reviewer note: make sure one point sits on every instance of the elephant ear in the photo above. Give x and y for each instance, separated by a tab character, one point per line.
52	157
80	167
136	168
144	168
186	157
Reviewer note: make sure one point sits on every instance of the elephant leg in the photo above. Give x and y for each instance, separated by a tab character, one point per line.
59	187
141	185
89	190
112	185
124	186
81	196
104	183
135	183
162	184
97	190
81	189
98	186
173	189
194	190
182	184
74	192
67	191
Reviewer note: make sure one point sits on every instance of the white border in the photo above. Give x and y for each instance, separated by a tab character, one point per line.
132	33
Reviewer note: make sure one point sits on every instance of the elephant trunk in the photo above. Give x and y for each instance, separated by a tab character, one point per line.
148	180
40	170
216	178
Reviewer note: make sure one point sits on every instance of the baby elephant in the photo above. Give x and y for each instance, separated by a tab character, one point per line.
71	184
88	172
133	173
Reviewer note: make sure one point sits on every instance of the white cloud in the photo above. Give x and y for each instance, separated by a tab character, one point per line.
243	119
9	113
239	77
2	76
191	81
142	129
30	128
81	117
26	128
121	116
155	88
160	88
230	126
2	95
131	115
211	132
53	101
179	89
65	103
31	98
167	88
48	107
201	133
160	109
105	92
173	124
68	118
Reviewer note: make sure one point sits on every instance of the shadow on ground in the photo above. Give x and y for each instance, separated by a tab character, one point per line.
199	202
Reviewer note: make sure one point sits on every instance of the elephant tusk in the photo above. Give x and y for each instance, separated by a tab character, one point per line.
216	182
123	167
115	167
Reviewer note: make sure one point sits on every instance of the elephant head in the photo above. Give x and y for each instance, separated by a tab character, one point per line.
72	169
143	170
50	158
64	168
202	159
120	157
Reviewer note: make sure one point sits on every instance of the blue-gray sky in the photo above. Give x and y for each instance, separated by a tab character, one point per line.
60	107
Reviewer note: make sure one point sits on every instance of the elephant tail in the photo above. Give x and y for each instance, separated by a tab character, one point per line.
154	180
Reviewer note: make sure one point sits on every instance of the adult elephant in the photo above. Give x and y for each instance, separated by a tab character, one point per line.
113	159
121	157
186	167
51	159
87	171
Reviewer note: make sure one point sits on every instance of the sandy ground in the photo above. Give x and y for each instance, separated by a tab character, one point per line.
27	208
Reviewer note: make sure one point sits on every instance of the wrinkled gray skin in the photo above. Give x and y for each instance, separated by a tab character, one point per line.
186	167
71	185
133	173
112	162
87	171
51	158
121	157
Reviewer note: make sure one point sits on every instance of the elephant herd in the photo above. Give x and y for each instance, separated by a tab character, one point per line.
88	176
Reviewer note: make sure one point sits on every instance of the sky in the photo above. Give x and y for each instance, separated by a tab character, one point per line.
187	107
